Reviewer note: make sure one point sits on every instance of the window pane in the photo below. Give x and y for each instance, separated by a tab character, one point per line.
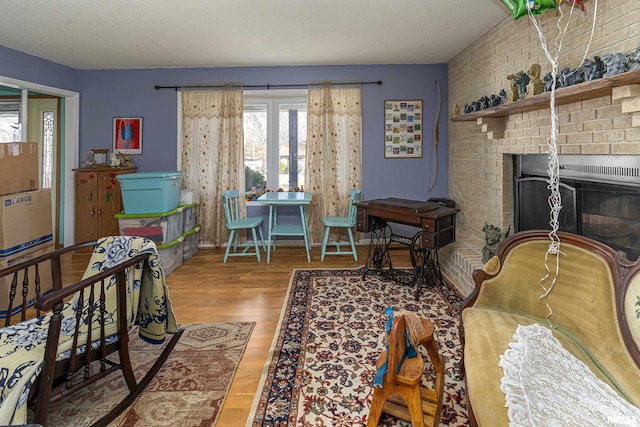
292	145
47	147
9	126
255	146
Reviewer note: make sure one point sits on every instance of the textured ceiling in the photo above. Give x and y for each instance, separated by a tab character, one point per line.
104	34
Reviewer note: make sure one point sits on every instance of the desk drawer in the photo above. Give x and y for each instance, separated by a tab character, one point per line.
438	240
436	225
362	221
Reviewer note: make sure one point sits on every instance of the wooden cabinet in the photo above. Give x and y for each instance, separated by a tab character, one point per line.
98	200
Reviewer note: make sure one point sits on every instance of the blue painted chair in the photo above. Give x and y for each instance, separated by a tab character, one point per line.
347	222
235	223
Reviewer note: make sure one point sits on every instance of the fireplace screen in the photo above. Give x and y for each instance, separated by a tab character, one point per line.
532	210
612	216
605	211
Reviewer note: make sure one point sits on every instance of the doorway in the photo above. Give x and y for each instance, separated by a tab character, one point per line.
67	154
42	124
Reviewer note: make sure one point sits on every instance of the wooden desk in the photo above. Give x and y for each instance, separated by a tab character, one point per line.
437	229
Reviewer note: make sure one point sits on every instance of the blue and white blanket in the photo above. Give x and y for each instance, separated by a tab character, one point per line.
22	346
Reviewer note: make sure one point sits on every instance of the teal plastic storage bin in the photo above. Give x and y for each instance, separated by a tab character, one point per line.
150	192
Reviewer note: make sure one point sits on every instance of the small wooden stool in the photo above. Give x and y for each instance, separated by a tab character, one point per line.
401	394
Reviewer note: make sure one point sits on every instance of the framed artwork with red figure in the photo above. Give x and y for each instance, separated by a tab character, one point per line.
127	135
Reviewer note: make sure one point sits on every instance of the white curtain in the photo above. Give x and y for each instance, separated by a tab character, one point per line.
213	153
333	161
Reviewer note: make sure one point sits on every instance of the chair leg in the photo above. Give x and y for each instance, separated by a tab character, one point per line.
324	242
255	243
235	241
226	253
353	246
264	247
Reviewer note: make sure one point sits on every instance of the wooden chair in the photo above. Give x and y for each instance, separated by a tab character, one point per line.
65	373
347	222
235	223
401	394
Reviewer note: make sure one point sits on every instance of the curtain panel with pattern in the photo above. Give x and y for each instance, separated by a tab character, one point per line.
213	153
333	159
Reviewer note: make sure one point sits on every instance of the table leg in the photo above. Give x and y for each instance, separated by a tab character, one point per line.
270	228
305	231
378	256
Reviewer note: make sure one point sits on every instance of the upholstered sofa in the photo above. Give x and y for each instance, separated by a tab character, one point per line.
593	309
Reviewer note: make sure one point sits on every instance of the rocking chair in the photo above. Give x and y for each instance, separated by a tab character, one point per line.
65	338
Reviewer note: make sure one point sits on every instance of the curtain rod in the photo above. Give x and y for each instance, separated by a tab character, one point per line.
267	86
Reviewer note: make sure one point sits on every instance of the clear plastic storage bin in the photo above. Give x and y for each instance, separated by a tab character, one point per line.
190	216
171	255
190	246
188	197
162	228
150	192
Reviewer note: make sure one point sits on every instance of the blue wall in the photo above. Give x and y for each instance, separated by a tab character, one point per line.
30	68
105	94
131	93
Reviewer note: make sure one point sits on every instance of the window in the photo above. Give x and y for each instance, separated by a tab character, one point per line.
9	121
275	139
48	127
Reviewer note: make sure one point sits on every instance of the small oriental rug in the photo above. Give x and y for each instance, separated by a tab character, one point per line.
189	390
330	336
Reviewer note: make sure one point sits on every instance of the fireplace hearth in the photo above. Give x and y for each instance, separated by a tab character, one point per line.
600	197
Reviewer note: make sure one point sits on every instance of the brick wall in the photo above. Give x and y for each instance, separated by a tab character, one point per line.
480	169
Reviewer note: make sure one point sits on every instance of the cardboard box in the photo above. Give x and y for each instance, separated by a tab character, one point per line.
44	275
18	167
25	222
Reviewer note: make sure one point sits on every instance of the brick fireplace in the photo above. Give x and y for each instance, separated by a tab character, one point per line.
481	152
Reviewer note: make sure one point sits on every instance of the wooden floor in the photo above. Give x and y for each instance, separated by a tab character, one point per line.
205	289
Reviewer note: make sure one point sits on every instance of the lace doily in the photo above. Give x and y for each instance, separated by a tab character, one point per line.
545	385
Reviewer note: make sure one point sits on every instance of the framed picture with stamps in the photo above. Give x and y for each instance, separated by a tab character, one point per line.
403	129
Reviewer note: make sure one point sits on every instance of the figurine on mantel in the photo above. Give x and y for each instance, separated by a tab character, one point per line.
548	82
512	94
522	80
536	86
593	69
484	102
569	77
495	100
615	63
503	96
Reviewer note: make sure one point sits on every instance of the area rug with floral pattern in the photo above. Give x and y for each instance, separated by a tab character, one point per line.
331	332
189	390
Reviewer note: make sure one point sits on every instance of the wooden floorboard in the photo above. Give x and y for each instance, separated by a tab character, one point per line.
205	289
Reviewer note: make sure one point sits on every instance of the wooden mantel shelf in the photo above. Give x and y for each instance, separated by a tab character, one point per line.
580	92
